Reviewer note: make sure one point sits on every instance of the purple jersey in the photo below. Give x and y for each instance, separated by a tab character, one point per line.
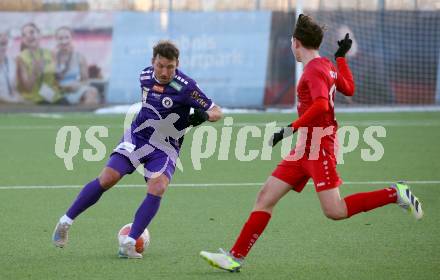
177	97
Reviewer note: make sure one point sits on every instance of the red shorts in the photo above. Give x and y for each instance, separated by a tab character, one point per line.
298	172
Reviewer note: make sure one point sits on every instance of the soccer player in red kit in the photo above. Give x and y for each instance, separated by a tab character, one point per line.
314	154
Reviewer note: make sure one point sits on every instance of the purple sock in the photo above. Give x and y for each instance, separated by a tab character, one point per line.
88	196
145	213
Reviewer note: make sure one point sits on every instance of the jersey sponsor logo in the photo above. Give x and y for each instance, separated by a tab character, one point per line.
181	79
333	74
176	86
148	77
167	102
147	72
196	96
158	88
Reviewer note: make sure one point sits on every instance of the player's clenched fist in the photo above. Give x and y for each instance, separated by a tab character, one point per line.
344	46
198	117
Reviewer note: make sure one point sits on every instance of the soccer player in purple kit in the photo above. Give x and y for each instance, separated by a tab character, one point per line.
154	140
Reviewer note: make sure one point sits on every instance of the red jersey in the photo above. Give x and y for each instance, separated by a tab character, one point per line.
320	79
311	158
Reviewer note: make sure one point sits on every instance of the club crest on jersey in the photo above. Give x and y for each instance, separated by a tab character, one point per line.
167	102
158	88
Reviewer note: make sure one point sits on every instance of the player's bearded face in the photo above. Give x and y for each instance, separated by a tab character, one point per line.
164	68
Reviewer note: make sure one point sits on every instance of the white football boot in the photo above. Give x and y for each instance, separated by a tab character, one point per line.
60	234
128	250
407	200
222	260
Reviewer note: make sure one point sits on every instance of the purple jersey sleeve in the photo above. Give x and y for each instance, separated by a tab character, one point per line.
197	99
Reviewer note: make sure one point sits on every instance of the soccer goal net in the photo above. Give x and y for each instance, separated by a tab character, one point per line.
395	55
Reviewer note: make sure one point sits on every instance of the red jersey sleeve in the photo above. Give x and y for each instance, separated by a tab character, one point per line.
319	107
317	83
344	82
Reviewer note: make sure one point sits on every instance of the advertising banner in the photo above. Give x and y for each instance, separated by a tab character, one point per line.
55	58
226	53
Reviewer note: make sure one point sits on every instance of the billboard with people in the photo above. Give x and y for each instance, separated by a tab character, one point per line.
55	58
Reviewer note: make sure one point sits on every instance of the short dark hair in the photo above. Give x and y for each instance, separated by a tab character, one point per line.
308	32
166	49
31	24
68	29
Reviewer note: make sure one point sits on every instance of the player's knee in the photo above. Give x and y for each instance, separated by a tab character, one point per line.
158	186
157	189
335	214
263	202
108	178
261	196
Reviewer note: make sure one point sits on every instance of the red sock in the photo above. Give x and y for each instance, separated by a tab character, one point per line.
250	232
366	201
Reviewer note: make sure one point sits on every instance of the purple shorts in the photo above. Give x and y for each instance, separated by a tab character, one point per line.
126	157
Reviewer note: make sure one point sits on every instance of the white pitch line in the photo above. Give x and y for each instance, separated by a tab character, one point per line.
47	116
30	187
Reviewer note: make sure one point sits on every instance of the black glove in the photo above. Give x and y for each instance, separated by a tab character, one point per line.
199	116
344	46
280	135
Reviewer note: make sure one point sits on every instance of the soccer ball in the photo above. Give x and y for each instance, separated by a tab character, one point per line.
142	242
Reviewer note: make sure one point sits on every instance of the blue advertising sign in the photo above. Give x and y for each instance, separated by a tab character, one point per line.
225	52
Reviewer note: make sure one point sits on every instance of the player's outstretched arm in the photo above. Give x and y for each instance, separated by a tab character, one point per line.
344	82
319	106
